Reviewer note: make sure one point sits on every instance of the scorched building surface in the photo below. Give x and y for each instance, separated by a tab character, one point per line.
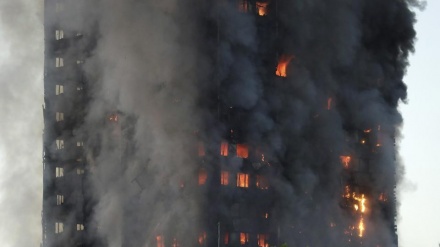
223	123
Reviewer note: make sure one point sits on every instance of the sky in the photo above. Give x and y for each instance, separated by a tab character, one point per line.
21	124
419	212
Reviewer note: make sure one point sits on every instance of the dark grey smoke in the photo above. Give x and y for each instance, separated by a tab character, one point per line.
174	71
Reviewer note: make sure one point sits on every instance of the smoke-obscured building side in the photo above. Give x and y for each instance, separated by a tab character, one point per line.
223	123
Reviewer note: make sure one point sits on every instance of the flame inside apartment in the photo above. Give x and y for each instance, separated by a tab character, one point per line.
166	124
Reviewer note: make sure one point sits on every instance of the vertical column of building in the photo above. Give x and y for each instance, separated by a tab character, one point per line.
64	108
238	181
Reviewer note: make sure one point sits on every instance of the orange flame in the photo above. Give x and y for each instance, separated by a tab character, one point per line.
361	227
346	161
282	65
262	8
383	197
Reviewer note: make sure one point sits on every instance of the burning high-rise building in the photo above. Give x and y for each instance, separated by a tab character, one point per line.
223	123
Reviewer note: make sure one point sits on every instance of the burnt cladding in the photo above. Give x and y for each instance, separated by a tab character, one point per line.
223	123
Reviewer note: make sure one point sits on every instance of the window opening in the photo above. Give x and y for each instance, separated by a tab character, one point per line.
262	182
202	238
159	240
60	199
242	180
59	172
262	240
242	151
59	62
224	178
201	149
80	227
203	176
59	34
79	171
59	89
244	238
224	148
59	116
60	144
59	227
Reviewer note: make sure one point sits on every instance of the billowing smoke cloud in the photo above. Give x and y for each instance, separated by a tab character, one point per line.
21	70
179	75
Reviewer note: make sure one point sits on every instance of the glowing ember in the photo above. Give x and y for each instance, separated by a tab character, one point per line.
160	242
113	118
243	6
282	65
262	8
383	197
201	149
329	103
202	238
367	131
345	161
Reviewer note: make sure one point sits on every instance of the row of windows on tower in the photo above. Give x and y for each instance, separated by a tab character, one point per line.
241	150
59	62
59	34
59	89
59	172
242	179
262	239
59	227
261	7
60	144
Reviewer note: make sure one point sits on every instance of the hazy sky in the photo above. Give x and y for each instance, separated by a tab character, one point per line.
21	54
419	215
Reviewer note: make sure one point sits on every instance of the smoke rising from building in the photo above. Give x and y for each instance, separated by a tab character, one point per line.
303	93
21	63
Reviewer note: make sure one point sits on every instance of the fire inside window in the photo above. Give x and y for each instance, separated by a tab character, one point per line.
202	238
329	103
242	151
242	180
159	240
262	240
262	8
201	149
282	65
243	6
175	243
203	176
226	238
113	118
345	161
224	178
224	148
262	182
244	238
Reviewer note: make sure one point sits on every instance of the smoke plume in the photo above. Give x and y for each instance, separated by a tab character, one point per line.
179	75
21	64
